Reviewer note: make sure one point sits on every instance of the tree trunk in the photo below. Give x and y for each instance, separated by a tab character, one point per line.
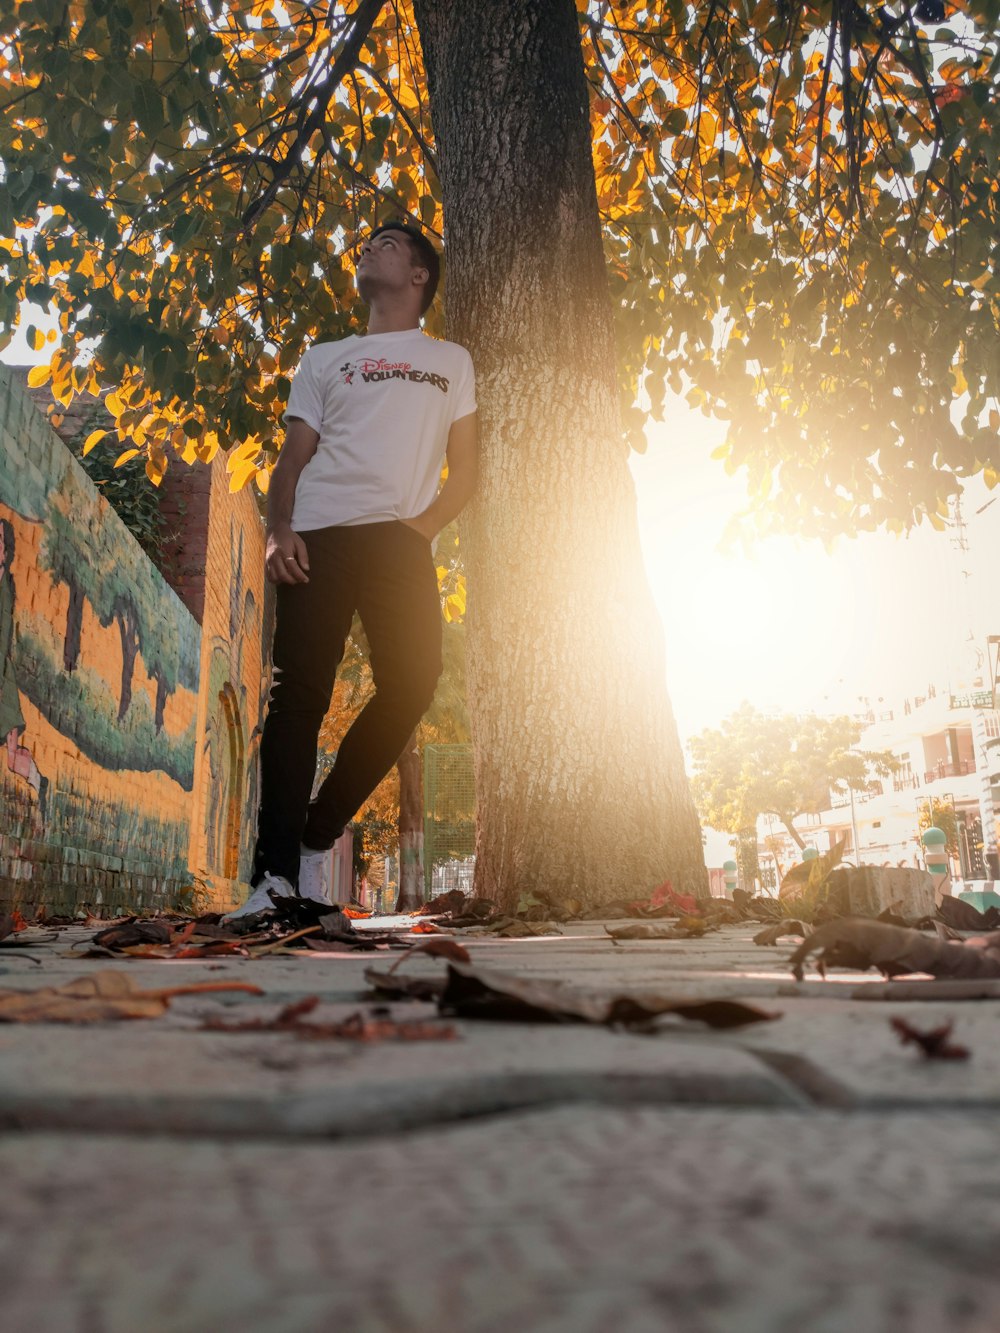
579	772
411	828
793	832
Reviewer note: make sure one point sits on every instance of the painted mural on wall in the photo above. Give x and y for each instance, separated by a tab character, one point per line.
99	673
237	686
20	760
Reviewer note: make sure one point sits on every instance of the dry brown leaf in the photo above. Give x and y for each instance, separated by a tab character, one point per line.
691	928
99	998
894	950
473	992
960	915
772	934
12	923
355	1027
396	985
439	948
935	1043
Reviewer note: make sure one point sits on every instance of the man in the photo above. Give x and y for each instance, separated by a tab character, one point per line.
353	507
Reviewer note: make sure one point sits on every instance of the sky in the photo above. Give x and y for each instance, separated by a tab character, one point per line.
793	627
790	627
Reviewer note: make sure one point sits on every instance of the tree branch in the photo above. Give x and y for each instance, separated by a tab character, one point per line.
350	53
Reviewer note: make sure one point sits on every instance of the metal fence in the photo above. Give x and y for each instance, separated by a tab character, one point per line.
449	818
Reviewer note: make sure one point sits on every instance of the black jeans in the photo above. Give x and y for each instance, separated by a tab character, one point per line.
384	572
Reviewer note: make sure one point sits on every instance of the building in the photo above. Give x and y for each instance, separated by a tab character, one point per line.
947	747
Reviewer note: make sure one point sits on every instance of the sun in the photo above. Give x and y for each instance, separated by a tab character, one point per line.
774	626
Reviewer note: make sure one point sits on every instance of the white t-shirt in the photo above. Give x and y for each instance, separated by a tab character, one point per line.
383	404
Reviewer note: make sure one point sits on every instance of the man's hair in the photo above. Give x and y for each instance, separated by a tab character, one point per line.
424	255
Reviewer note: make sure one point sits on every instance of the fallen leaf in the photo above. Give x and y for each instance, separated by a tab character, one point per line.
510	928
283	942
127	934
425	928
441	948
934	1042
12	923
644	930
772	934
452	901
963	916
472	992
100	997
356	1027
894	950
396	985
663	901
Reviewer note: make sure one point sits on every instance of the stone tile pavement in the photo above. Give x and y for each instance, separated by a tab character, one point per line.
807	1174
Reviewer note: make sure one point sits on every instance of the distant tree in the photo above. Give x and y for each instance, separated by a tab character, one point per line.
936	813
785	766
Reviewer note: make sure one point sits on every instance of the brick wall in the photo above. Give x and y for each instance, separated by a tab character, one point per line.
128	753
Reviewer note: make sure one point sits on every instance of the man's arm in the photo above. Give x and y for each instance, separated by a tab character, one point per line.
286	559
457	491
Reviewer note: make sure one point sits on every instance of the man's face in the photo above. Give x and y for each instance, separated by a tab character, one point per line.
385	264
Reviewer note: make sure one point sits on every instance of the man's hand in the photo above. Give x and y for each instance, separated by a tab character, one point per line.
286	559
459	485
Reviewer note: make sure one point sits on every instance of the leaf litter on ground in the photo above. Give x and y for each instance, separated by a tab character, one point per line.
379	1025
101	997
687	928
470	991
934	1043
859	944
781	929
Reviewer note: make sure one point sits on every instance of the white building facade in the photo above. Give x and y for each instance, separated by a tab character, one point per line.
947	748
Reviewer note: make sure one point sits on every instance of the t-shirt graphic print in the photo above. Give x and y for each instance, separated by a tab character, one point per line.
382	405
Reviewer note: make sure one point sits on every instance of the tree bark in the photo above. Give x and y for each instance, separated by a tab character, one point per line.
793	832
411	828
579	772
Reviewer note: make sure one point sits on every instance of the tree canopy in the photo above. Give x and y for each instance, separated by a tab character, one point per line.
785	766
799	204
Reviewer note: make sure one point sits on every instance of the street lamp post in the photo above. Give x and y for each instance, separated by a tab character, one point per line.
854	827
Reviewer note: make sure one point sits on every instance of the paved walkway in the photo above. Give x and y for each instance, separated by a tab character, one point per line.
804	1174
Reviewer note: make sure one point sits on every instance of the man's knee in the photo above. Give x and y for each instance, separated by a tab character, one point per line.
291	694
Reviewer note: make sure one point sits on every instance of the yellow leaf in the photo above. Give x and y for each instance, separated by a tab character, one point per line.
241	475
263	480
36	338
991	477
242	454
153	472
93	438
38	375
961	384
114	404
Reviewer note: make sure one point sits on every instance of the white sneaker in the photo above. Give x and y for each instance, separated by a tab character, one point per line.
315	877
260	900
